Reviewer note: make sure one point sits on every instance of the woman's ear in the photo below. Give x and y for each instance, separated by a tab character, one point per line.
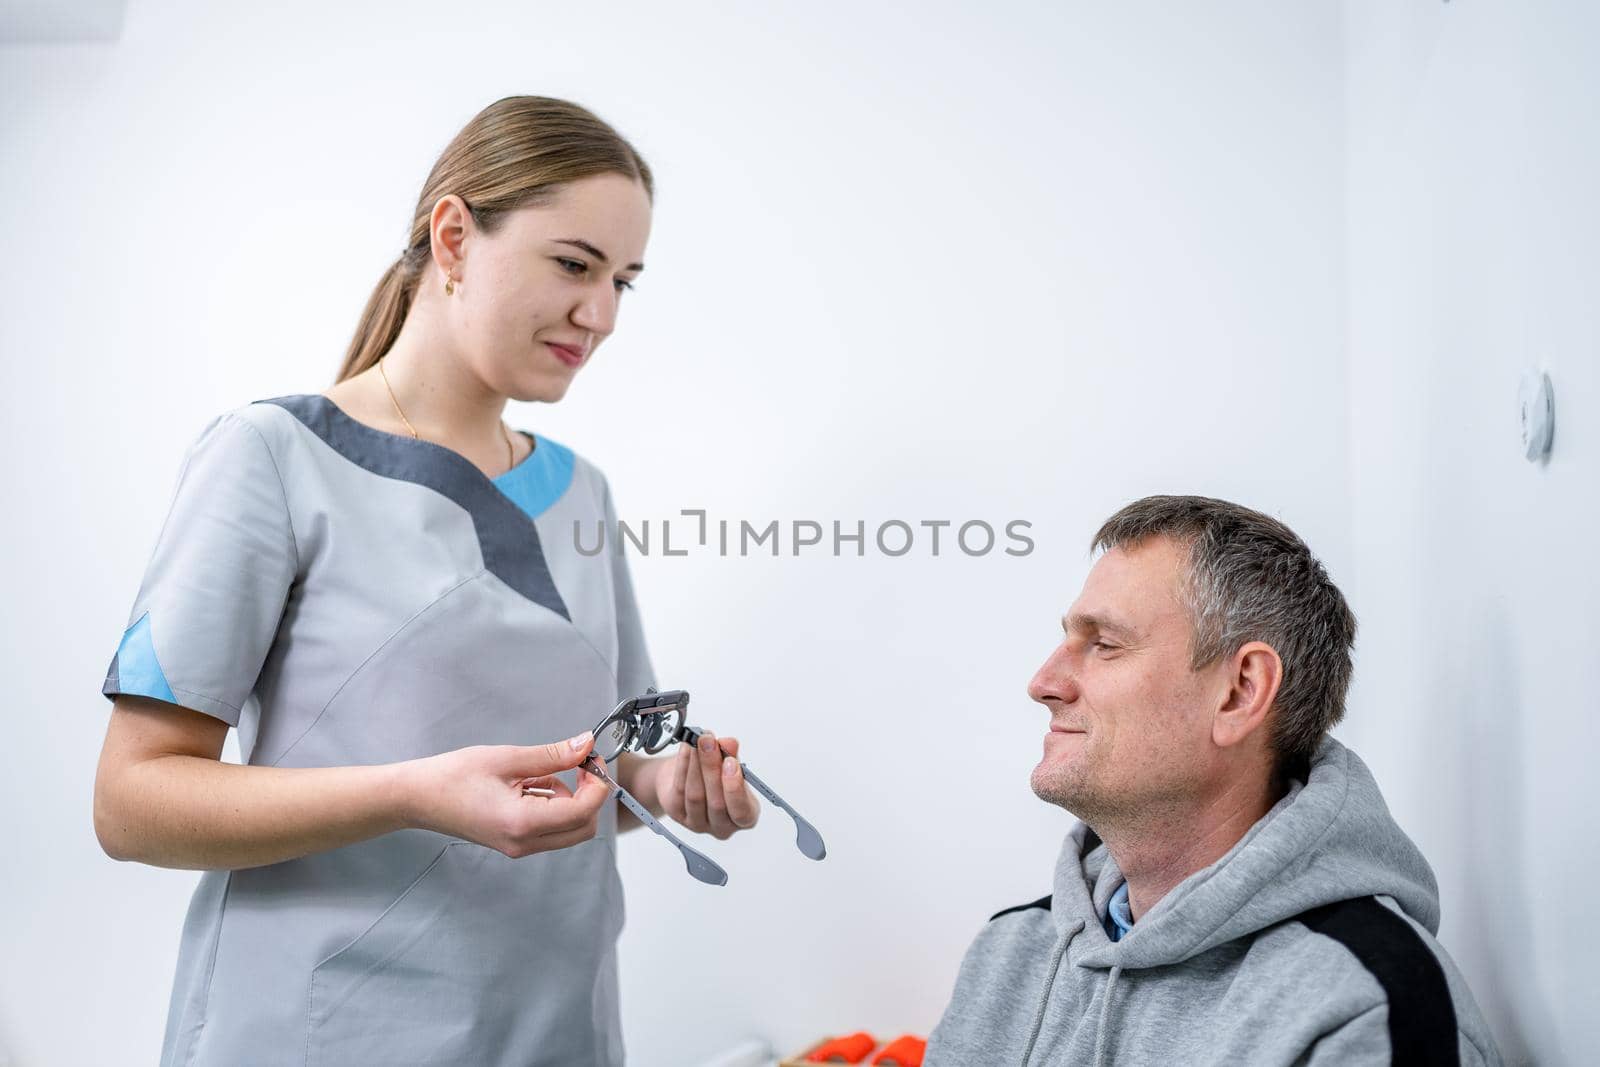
447	228
1255	673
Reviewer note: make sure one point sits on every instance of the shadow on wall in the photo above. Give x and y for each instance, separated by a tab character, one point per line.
1478	674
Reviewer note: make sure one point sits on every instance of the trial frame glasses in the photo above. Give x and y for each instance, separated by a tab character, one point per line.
652	722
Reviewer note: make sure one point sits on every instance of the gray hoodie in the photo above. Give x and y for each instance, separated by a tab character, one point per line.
1311	941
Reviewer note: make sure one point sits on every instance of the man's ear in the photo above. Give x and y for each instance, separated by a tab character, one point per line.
1255	673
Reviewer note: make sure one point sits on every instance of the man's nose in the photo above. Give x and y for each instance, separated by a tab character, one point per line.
1056	678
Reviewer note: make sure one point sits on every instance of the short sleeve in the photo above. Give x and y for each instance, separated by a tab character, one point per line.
634	672
213	595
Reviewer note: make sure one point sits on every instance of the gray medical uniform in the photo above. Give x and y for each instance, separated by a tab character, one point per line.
343	595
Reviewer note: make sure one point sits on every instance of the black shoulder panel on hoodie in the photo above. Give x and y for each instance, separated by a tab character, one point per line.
1042	902
1422	1016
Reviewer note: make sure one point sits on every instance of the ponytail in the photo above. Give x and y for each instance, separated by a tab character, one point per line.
381	321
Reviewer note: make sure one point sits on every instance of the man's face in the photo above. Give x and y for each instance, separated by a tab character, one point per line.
1130	723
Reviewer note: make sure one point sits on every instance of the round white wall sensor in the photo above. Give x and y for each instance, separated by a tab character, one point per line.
1538	404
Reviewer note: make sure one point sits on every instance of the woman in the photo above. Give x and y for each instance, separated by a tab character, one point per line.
378	586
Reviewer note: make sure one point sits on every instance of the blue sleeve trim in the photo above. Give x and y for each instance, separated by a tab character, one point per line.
135	669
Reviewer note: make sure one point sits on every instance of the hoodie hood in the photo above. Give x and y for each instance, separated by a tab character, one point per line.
1329	838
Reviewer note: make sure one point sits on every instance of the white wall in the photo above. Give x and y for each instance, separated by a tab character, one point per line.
916	262
1474	253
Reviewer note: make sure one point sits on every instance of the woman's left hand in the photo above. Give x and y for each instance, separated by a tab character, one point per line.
705	789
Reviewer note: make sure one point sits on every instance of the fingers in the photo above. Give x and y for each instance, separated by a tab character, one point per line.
540	824
546	782
551	842
566	810
546	835
675	780
704	792
535	761
592	790
743	807
709	759
558	814
694	789
729	802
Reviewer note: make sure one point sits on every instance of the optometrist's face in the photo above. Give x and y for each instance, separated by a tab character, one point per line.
540	295
1129	723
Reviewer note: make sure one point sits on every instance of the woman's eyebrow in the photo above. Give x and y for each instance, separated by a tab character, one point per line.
577	242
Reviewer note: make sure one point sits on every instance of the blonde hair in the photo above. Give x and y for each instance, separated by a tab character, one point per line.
514	153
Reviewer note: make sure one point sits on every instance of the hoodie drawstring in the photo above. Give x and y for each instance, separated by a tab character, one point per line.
1044	996
1100	1041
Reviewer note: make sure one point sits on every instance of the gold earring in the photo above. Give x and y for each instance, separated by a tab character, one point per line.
449	285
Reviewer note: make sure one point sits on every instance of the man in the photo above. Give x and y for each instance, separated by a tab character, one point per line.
1236	892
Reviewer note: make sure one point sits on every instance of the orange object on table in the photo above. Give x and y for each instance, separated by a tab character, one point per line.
903	1051
852	1049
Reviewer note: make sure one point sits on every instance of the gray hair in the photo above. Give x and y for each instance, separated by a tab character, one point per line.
1250	578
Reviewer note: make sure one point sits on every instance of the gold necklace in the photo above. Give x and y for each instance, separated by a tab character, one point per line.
510	451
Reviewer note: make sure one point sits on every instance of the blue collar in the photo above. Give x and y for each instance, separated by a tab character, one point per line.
1119	919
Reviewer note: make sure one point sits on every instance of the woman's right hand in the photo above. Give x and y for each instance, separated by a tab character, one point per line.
476	794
